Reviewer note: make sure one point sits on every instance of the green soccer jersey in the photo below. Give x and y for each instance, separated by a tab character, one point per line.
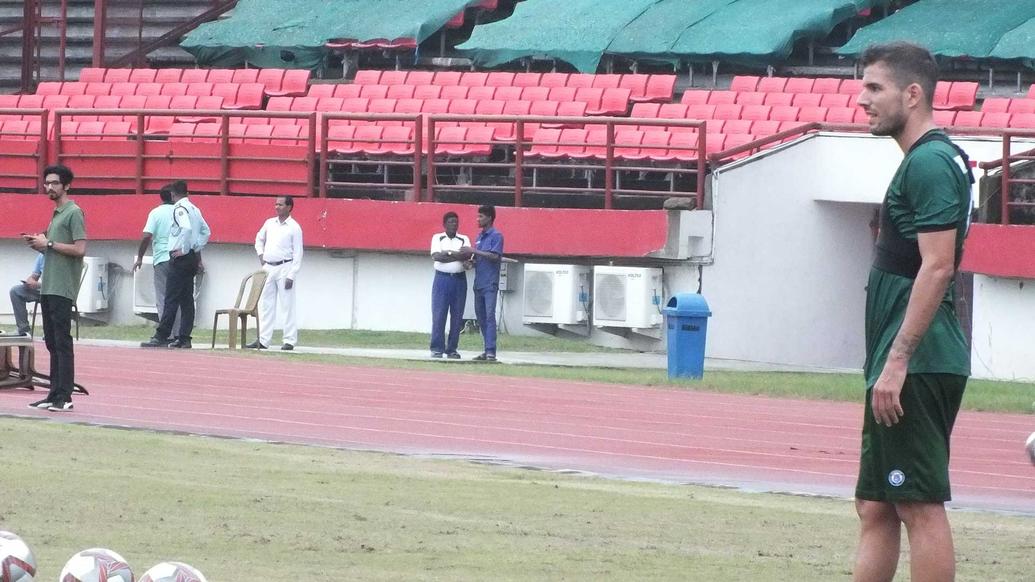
929	192
61	272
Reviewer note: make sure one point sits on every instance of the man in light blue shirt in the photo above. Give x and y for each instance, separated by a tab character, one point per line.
156	235
26	291
188	235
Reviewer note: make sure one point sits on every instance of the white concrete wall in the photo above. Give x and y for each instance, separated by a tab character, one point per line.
1003	338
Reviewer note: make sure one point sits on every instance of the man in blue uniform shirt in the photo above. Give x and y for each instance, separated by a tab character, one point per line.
487	254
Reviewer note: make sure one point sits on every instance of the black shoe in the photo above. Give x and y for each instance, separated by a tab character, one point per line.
155	343
180	344
480	357
453	356
287	347
61	407
255	345
44	404
436	354
490	357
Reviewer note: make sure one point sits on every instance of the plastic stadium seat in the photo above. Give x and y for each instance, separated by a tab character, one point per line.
297	103
851	87
228	91
199	89
968	119
399	92
249	96
286	135
545	143
131	102
673	111
11	101
527	79
784	113
296	83
344	91
435	106
636	84
536	93
762	128
92	75
374	92
714	126
489	107
941	93
562	93
259	134
517	107
727	111
428	92
183	102
543	108
48	88
397	140
997	120
157	101
420	78
695	97
608	81
462	106
220	76
474	78
382	106
500	79
825	85
834	100
323	90
580	80
594	145
807	100
116	76
170	75
446	78
272	79
751	98
775	99
554	80
356	104
97	89
737	126
756	112
962	95
613	102
509	93
742	83
799	85
30	101
772	85
840	115
1023	121
996	105
367	77
659	88
627	144
645	110
51	102
655	145
571	109
283	103
482	93
810	114
453	92
246	76
944	118
174	89
700	112
125	88
332	105
141	76
683	147
148	89
194	76
722	98
1021	106
411	106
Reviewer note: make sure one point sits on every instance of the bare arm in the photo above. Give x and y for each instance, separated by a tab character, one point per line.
145	241
76	249
937	267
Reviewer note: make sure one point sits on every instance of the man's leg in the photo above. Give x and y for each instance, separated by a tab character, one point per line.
479	310
439	310
286	299
489	327
175	283
20	295
457	300
268	306
932	557
186	297
58	310
161	278
880	537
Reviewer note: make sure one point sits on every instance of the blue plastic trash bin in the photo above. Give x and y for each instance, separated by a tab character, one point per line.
686	322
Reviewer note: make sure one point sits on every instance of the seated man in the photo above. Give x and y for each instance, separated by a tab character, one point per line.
24	292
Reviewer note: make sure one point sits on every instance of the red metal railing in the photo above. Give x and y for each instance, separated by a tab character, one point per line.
1007	178
24	152
335	157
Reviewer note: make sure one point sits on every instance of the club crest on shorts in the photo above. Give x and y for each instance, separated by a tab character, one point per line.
896	478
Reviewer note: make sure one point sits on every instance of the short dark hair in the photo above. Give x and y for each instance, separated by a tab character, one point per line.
63	173
288	201
488	210
166	195
177	188
908	63
449	215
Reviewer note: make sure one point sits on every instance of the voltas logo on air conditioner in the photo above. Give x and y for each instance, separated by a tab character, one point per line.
634	275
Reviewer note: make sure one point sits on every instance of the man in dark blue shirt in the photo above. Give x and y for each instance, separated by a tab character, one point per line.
486	257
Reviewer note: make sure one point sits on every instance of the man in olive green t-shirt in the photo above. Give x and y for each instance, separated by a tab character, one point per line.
64	245
917	359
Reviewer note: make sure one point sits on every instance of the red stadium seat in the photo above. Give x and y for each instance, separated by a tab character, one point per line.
356	104
543	108
835	100
92	75
147	89
851	87
400	92
435	106
1022	121
562	93
286	134
509	93
48	88
807	100
737	126
840	115
190	76
283	103
170	75
30	101
329	105
962	96
763	128
580	80
126	88
608	81
462	106
420	78
1021	106
118	76
997	120
481	93
941	94
344	91
554	80
374	92
799	85
249	96
645	110
775	99
701	112
996	105
446	78
695	97
474	79
811	114
826	85
772	85
968	119
368	77
784	113
722	98
500	79
673	111
324	90
860	116
453	92
411	106
728	111
51	102
157	101
627	144
744	83
614	102
73	88
295	83
527	79
216	76
200	89
944	118
141	76
655	145
637	86
97	89
660	88
174	89
246	76
751	98
428	92
535	93
756	112
545	143
489	107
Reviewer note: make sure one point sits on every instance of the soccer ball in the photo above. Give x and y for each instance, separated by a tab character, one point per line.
173	572
1030	447
96	565
17	564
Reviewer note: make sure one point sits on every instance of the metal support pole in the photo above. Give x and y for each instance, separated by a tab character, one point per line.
100	32
1004	194
29	41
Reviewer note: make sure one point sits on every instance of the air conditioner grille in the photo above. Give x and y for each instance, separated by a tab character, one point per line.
539	294
610	296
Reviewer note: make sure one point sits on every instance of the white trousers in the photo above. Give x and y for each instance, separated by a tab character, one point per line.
277	303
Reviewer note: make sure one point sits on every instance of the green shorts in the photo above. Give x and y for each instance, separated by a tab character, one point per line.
910	461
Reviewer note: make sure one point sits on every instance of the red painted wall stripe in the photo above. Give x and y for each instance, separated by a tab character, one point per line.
367	224
1000	251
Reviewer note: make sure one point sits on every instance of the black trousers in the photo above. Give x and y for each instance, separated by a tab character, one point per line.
57	333
179	296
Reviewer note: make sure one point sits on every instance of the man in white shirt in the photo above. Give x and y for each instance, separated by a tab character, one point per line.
188	235
449	289
279	246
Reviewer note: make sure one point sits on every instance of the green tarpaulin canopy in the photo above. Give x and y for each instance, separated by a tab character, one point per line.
957	28
292	33
581	31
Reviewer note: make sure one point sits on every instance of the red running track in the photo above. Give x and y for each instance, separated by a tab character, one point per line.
755	443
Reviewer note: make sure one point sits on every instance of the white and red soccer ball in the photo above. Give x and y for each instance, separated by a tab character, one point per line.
96	565
17	564
172	572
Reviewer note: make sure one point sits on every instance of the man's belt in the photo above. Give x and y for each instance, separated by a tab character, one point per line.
460	274
275	263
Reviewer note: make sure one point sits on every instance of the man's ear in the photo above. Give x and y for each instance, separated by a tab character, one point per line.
914	95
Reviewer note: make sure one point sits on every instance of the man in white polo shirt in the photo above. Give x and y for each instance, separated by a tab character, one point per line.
279	246
449	290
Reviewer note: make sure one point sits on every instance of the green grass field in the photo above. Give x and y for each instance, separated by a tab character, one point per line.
244	511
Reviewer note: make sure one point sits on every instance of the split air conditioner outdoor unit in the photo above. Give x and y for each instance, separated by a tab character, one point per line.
627	297
555	294
144	289
93	293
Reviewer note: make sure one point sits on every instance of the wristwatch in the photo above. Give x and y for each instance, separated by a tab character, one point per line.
50	244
